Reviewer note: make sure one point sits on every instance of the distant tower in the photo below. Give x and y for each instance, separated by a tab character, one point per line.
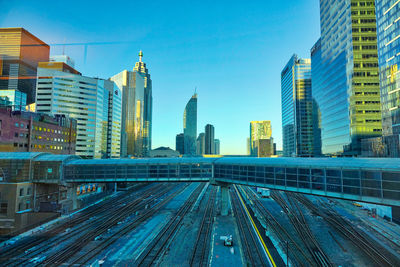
190	126
209	140
179	143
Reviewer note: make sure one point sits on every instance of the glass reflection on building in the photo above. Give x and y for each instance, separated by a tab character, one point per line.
347	93
137	101
297	108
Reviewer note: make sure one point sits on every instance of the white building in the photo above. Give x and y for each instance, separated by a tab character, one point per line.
94	103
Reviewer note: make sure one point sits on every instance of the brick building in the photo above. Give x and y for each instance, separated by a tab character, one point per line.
22	131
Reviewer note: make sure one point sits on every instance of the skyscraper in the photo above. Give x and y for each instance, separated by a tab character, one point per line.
209	140
137	102
200	144
217	144
180	143
297	108
65	91
20	52
259	130
347	92
190	126
388	32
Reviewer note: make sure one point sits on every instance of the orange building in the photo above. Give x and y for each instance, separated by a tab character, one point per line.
20	53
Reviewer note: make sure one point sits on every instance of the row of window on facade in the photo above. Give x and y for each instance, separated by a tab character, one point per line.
40	146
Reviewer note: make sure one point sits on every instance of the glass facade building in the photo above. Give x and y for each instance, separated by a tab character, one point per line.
85	99
297	108
17	98
190	126
388	33
259	130
179	143
209	139
347	91
137	103
200	144
20	52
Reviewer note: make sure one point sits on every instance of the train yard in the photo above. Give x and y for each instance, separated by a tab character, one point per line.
179	224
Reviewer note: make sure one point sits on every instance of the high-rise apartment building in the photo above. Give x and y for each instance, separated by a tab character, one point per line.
259	130
63	90
20	52
200	144
209	147
137	103
347	91
190	126
297	124
17	98
180	143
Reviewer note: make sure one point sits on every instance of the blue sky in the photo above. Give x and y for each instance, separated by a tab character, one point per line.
233	51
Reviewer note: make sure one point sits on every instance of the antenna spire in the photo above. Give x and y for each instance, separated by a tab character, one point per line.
140	55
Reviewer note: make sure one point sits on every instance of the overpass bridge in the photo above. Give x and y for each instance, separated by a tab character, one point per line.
373	180
359	179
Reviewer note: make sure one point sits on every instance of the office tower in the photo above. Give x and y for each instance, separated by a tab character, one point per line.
180	143
200	144
264	147
209	140
190	126
35	132
17	98
66	91
114	120
217	147
259	130
20	52
248	146
317	83
347	91
388	32
137	103
297	108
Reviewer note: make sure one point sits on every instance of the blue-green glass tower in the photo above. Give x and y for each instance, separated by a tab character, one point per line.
297	108
190	126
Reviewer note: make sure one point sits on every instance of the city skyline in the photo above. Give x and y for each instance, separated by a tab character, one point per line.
214	47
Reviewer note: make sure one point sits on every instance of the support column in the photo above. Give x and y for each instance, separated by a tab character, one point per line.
73	197
115	187
224	200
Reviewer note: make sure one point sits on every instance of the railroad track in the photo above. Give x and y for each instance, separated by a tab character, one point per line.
68	254
84	258
296	217
79	236
298	254
31	244
251	246
375	251
199	256
157	247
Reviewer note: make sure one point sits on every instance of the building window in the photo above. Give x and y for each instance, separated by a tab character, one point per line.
1	123
16	124
29	191
20	205
22	125
16	134
21	192
15	144
3	208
